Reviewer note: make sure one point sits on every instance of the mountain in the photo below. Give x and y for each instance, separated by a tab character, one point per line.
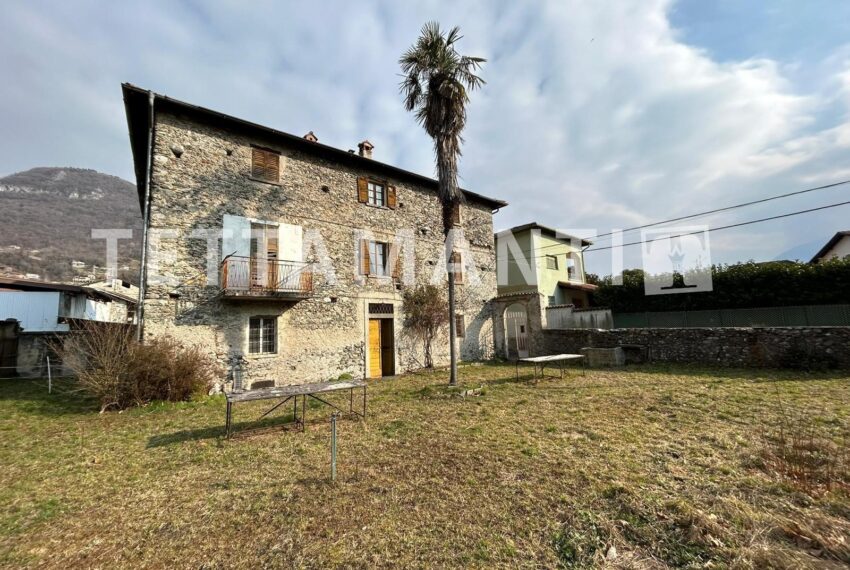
46	220
804	251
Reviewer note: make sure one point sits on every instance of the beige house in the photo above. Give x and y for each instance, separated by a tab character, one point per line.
536	258
838	247
291	255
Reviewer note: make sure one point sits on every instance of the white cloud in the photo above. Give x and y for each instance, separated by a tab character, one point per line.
594	114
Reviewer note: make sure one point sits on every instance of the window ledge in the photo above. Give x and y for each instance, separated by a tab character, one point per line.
261	181
261	356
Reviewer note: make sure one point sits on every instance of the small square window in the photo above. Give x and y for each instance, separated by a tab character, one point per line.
265	165
552	300
262	335
551	262
376	193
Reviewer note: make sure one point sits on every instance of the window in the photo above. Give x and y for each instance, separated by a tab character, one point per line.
377	258
373	257
571	267
265	165
551	262
457	267
262	335
460	326
376	193
552	300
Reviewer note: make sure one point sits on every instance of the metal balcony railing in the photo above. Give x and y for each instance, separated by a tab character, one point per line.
259	277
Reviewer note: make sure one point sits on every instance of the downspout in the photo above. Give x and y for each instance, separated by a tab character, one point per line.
143	270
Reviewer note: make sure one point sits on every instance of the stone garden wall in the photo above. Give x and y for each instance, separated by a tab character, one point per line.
756	347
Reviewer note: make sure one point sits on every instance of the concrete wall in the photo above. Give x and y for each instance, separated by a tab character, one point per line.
325	335
760	347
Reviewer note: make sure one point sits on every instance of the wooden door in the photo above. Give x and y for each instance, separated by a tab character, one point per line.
8	349
375	348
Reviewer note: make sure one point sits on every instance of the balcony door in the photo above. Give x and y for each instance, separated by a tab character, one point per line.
264	264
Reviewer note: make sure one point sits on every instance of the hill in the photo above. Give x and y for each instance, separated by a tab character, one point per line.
47	216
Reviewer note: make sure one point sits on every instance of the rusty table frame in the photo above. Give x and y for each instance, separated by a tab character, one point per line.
287	393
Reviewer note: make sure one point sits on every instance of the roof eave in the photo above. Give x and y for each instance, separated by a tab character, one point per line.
133	92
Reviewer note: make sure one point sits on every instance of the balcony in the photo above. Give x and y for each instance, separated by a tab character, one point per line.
253	278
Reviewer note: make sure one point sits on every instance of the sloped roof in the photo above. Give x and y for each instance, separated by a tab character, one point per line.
8	284
829	245
546	230
137	108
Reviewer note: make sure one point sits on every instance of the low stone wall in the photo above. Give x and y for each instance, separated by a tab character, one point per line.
757	347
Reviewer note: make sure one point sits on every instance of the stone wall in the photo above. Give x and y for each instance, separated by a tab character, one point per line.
325	335
759	347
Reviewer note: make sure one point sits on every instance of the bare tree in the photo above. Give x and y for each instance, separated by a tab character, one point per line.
424	316
437	80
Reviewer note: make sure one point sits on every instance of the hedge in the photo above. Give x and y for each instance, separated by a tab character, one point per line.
742	285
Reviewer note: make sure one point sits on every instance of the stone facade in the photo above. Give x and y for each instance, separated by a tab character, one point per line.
324	335
748	347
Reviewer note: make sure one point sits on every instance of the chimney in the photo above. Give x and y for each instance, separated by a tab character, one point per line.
311	137
366	149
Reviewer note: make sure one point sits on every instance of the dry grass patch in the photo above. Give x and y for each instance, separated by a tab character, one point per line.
662	465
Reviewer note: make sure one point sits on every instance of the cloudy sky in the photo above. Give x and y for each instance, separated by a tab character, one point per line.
596	115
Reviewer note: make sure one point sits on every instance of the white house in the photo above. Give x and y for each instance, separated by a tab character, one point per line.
34	312
838	247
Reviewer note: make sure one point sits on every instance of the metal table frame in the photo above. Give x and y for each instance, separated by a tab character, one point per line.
287	393
542	361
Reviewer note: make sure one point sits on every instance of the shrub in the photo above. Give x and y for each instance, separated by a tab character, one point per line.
426	313
111	366
740	285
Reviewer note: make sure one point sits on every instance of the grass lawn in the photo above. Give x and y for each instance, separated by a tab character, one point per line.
664	464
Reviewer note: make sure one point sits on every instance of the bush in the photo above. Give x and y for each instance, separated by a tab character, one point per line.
426	313
741	285
111	366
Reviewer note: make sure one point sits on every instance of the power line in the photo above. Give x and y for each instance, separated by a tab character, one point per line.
725	227
727	208
717	210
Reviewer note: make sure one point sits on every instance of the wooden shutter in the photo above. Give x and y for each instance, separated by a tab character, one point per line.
258	164
456	214
265	165
392	200
363	190
272	167
395	258
364	257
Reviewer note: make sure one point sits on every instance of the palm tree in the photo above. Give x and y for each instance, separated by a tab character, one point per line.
436	85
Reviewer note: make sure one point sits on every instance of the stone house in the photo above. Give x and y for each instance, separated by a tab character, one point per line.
293	256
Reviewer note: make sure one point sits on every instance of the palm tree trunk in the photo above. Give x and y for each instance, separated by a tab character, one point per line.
447	176
452	330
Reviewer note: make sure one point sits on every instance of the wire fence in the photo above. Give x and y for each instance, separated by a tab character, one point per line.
797	316
43	369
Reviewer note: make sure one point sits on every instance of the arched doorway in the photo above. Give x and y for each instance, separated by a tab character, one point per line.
516	331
